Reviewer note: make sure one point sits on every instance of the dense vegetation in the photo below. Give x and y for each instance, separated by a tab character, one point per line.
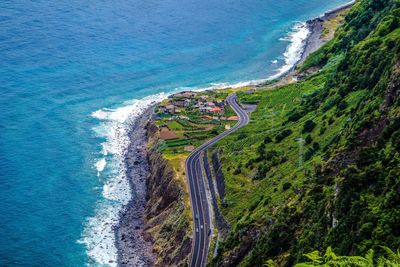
319	163
329	258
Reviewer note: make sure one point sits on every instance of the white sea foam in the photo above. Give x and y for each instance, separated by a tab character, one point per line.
221	85
297	41
114	125
100	165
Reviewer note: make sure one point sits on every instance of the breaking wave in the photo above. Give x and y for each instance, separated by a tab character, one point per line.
113	127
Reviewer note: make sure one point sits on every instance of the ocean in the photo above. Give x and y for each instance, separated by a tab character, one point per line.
73	76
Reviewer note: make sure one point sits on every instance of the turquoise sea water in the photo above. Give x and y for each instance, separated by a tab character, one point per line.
73	74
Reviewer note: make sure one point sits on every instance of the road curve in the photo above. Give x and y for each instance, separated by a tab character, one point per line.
196	181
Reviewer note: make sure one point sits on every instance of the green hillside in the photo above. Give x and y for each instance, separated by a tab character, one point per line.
319	163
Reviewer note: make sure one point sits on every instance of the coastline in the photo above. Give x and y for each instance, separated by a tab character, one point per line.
133	246
315	38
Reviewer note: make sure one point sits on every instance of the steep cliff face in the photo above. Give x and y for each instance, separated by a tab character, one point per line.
167	224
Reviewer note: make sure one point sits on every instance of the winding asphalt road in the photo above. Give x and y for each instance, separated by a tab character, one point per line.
198	198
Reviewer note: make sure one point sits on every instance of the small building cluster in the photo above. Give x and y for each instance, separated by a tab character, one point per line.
184	119
192	101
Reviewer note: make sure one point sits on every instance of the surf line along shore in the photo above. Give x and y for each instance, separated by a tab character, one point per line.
134	245
317	37
133	248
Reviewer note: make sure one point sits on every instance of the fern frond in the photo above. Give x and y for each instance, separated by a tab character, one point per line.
381	262
356	261
305	265
391	254
369	257
330	255
314	256
269	263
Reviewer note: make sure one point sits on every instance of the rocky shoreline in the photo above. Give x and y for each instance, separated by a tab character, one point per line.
152	228
316	26
134	249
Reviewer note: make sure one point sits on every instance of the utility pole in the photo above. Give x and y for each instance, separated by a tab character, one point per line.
300	141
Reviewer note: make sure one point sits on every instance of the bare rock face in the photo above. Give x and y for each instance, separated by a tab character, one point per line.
166	222
154	229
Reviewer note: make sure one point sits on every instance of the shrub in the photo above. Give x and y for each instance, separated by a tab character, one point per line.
262	172
271	154
330	103
342	105
283	135
286	186
267	140
316	146
295	115
238	170
241	136
249	163
309	125
310	152
308	139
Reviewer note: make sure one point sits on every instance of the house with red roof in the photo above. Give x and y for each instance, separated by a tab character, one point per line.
217	110
233	118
